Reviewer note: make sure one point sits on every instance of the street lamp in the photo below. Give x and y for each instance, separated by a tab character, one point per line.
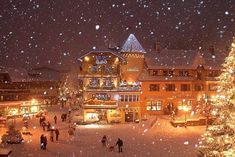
185	109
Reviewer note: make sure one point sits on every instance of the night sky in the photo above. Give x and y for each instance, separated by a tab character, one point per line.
56	32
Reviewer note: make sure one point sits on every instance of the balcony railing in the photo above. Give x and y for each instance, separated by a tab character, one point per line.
119	88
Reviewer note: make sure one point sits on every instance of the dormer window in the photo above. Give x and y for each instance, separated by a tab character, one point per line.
183	73
155	73
164	73
171	72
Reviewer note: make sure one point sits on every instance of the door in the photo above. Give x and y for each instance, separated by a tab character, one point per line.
129	117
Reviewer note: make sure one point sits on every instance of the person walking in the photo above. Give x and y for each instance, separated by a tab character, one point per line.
104	140
65	116
45	143
55	119
62	117
119	144
57	133
52	136
44	126
48	126
42	141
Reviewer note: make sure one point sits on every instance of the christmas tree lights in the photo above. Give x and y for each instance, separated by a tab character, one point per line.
219	139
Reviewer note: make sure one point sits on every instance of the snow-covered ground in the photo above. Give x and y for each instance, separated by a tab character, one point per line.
140	140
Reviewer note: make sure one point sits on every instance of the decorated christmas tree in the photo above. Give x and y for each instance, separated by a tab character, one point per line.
12	136
219	139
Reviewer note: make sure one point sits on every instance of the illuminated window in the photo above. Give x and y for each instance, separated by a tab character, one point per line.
129	98
187	103
154	105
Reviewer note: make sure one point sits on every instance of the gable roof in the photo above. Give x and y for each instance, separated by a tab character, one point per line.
16	74
132	45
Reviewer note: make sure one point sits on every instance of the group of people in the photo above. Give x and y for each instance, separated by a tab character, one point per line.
119	143
43	138
57	133
63	117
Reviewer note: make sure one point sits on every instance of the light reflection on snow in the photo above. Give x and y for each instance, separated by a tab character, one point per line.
93	126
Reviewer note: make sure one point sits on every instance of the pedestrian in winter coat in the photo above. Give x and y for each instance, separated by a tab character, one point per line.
42	141
48	126
119	144
44	126
52	136
45	143
40	121
65	116
55	119
62	117
104	140
57	133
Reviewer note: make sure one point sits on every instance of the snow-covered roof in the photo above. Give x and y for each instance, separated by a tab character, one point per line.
45	74
167	59
214	61
16	74
185	59
132	45
98	52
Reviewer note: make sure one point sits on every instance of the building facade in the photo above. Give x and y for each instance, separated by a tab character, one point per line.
126	85
24	92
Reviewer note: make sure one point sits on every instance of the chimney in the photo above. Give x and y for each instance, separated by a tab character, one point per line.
157	47
212	50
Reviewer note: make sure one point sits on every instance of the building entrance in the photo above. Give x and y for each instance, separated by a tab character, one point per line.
129	117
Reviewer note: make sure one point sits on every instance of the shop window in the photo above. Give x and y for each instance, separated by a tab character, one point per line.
154	87
185	87
185	103
170	87
154	105
199	87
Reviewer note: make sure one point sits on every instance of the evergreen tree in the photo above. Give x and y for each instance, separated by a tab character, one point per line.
219	139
